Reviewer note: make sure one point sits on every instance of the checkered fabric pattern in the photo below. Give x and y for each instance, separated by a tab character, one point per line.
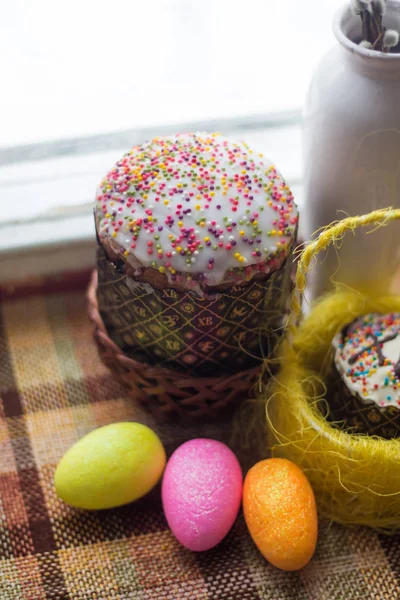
54	390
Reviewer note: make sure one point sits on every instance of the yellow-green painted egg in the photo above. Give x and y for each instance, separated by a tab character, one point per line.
110	466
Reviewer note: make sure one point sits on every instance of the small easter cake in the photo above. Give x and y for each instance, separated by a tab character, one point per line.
365	389
195	234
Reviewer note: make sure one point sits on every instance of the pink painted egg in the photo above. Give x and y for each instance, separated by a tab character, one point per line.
201	493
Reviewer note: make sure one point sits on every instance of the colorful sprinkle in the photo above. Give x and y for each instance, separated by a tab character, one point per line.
368	357
197	207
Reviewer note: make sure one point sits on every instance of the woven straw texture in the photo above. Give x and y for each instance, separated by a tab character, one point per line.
166	393
54	389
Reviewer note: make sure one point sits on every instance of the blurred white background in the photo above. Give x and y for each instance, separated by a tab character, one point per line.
83	80
84	66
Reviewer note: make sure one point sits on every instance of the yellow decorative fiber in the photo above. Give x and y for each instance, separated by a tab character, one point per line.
356	478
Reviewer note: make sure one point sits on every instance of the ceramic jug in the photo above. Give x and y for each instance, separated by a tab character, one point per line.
352	155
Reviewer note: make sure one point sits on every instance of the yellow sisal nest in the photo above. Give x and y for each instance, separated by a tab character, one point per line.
356	478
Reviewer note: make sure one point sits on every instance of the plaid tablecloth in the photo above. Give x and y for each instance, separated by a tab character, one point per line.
54	390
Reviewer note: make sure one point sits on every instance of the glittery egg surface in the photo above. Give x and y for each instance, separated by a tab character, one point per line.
280	513
201	493
111	466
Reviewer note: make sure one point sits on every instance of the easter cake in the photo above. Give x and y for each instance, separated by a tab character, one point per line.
195	234
365	389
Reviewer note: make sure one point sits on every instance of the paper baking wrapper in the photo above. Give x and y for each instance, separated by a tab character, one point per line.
211	335
358	415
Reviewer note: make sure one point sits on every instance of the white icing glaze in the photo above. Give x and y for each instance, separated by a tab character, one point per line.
362	374
197	207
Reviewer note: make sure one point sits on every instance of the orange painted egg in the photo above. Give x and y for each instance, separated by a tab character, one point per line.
280	512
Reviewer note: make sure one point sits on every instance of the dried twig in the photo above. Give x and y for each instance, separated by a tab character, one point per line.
373	32
377	41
